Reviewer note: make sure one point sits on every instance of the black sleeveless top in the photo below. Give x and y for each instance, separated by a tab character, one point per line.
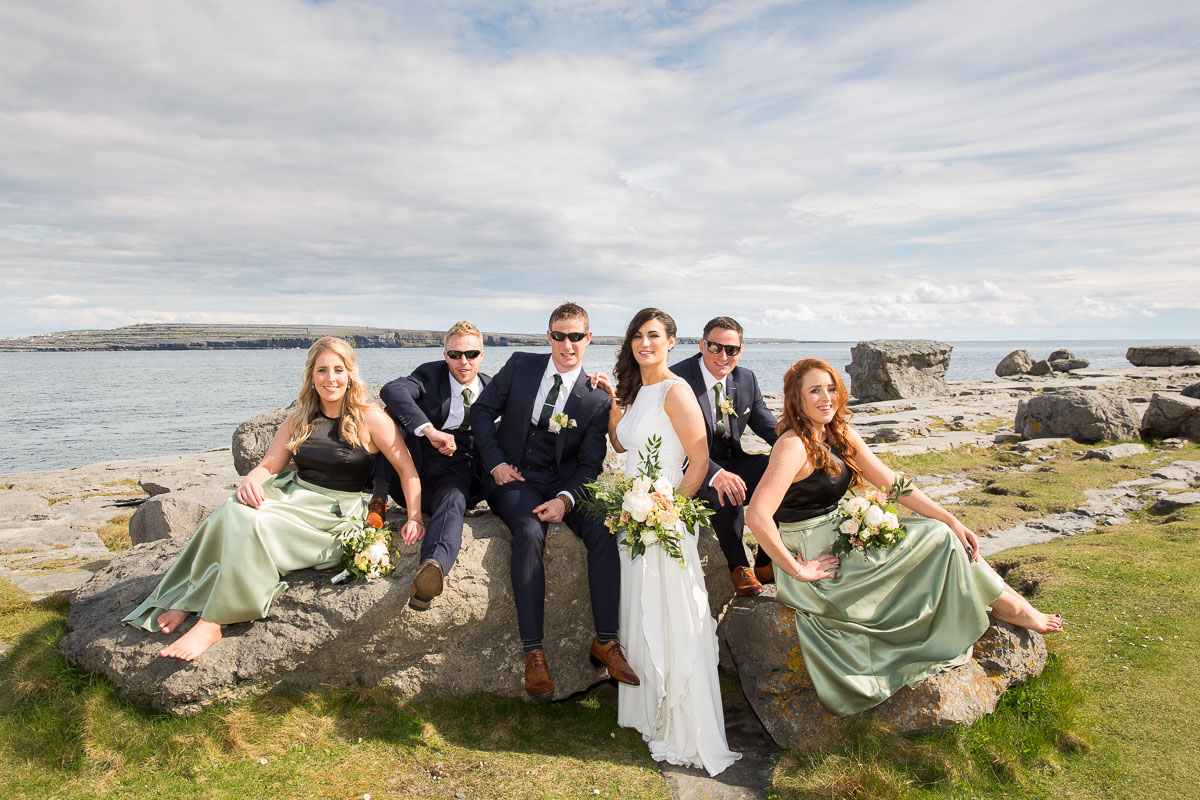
324	459
815	495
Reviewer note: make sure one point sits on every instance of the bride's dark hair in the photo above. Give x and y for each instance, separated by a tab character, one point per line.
627	372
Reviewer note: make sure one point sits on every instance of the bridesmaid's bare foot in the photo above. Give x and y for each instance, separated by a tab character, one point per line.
1014	609
168	621
203	635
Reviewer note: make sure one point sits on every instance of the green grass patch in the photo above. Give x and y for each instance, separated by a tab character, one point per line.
115	533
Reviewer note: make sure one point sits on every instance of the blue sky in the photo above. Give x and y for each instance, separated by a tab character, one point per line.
821	170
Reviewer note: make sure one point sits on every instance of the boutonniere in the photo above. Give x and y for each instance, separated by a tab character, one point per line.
560	421
727	407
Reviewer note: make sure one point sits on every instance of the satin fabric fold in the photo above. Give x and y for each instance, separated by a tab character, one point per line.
891	617
230	569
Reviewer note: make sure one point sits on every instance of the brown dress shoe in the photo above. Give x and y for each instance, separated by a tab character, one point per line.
744	582
426	585
765	573
376	512
612	656
537	675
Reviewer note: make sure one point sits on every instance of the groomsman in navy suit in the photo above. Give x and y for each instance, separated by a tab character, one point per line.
730	399
548	443
432	406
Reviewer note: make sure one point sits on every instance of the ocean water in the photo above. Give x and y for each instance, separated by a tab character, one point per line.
66	409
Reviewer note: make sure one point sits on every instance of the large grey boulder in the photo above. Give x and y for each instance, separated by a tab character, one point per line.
1061	354
175	514
1017	362
1041	368
1068	364
894	369
1085	416
760	634
1192	391
1171	415
1164	355
320	634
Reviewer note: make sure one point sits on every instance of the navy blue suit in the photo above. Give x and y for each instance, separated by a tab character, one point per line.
449	484
550	463
728	521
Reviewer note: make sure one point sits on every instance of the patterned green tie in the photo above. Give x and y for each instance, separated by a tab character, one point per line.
551	399
720	414
465	425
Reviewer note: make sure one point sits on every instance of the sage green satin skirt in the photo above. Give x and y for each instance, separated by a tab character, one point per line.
891	616
229	571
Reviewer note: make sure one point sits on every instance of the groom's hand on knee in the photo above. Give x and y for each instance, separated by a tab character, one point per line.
730	488
551	510
504	473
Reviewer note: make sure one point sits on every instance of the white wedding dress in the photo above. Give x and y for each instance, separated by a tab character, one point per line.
669	634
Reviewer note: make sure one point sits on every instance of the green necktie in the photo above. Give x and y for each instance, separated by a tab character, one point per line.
465	425
551	399
720	415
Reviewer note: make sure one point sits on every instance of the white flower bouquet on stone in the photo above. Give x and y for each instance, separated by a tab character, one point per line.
645	510
870	520
365	553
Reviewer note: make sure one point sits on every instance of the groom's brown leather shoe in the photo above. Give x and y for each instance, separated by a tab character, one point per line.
426	585
744	582
537	675
376	512
612	656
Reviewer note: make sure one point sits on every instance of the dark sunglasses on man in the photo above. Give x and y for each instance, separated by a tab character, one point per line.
574	336
455	355
731	350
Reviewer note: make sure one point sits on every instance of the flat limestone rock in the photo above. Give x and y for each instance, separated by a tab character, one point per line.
318	634
1174	502
760	634
1116	451
1181	355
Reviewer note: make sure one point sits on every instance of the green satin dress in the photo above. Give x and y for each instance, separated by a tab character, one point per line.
891	616
230	569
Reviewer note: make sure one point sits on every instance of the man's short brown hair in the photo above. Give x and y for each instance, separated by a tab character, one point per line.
568	310
728	323
461	328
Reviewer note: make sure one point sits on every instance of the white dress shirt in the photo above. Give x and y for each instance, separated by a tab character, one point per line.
455	417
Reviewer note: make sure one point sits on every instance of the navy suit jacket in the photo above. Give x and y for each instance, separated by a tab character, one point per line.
747	400
423	396
578	452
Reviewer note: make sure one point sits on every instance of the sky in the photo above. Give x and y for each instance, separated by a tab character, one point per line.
945	169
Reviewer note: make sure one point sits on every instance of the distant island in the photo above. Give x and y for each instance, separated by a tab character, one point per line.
189	336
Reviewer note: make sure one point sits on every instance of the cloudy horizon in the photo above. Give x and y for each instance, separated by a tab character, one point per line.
821	171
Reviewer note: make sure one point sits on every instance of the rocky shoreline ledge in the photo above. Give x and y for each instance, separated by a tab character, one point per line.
60	528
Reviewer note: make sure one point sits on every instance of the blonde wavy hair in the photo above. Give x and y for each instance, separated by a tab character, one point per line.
837	431
354	402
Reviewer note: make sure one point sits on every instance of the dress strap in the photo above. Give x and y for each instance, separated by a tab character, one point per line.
674	380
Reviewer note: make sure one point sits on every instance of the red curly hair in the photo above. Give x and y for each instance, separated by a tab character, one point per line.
837	431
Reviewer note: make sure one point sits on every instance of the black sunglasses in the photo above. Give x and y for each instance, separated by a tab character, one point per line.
455	355
574	336
731	350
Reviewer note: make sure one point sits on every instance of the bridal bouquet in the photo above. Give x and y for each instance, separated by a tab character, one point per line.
364	553
870	520
646	509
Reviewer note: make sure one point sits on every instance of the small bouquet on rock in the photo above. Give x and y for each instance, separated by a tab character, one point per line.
647	509
365	553
870	520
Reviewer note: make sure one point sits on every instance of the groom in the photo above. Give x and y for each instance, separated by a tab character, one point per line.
548	443
730	400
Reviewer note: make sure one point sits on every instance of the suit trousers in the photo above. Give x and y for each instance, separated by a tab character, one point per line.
729	521
514	503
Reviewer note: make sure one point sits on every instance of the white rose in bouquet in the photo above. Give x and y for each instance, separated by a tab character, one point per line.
873	517
663	485
890	520
856	505
649	536
638	504
849	527
641	485
377	552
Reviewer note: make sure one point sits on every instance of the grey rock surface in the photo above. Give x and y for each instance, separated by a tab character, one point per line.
1171	415
174	514
252	438
1068	364
1116	451
359	633
760	634
1192	391
1083	415
1018	362
1041	367
1061	354
1174	502
893	369
1165	355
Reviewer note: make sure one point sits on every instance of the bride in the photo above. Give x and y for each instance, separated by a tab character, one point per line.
668	631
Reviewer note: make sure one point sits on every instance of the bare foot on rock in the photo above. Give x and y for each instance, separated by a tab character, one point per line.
1014	609
203	635
168	621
